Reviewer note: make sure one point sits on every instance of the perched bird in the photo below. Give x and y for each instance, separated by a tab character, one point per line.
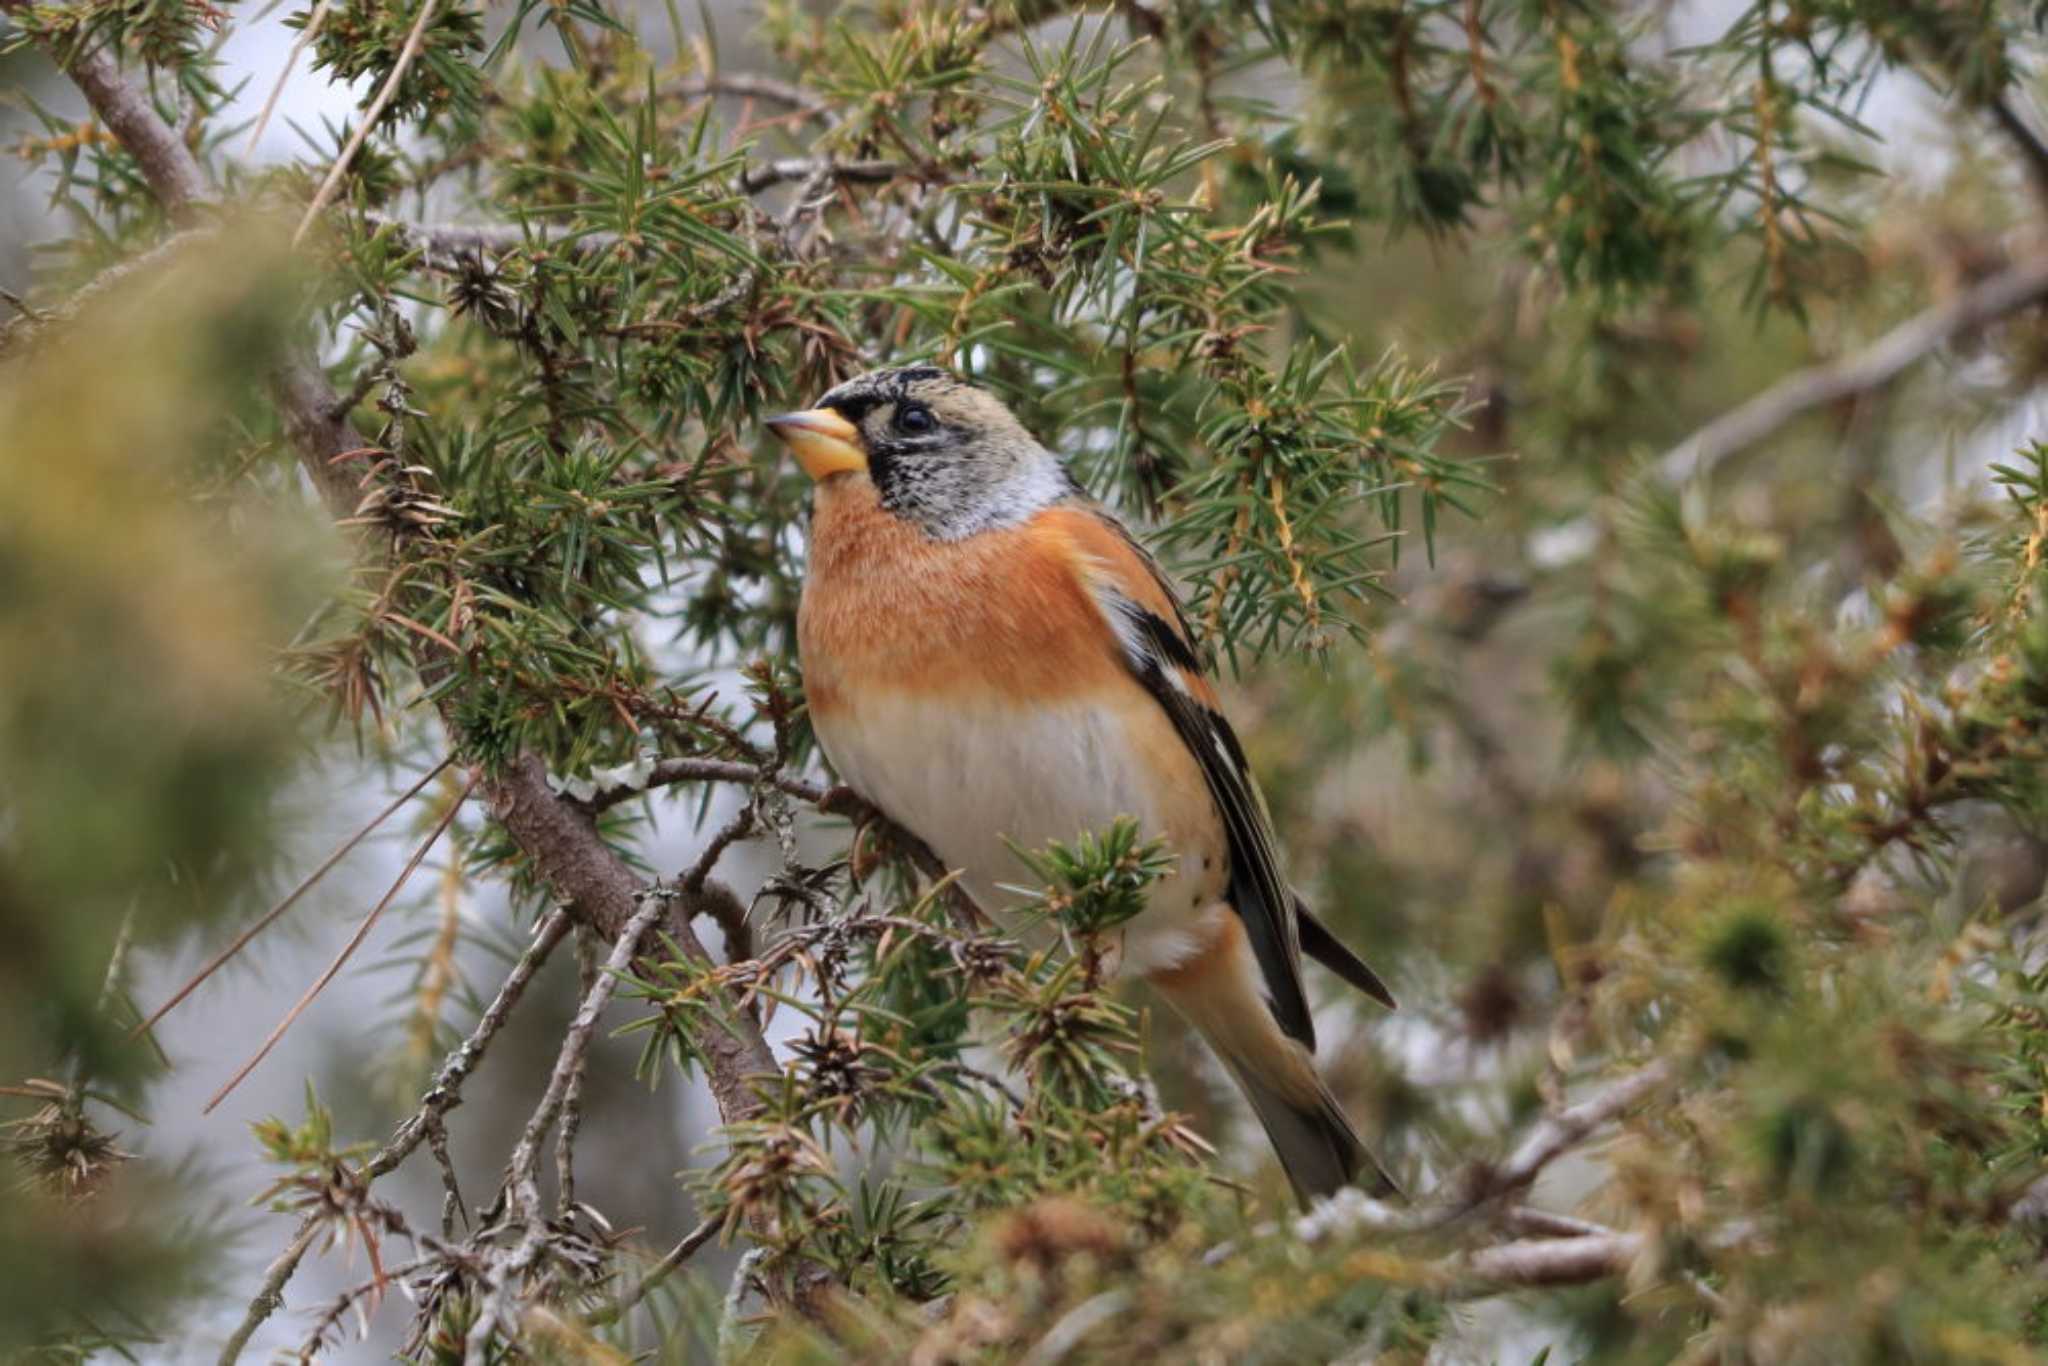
991	657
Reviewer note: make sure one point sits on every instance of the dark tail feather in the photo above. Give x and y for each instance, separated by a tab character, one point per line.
1222	996
1326	948
1318	1148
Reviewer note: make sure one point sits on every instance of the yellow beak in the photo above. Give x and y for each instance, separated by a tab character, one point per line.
823	442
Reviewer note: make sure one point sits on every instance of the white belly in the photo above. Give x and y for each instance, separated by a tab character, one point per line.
966	780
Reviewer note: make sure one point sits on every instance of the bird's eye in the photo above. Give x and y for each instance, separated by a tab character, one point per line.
915	418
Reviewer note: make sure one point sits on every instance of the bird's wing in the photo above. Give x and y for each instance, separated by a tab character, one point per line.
1333	953
1157	648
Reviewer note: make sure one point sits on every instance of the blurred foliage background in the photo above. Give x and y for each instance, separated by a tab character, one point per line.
1600	443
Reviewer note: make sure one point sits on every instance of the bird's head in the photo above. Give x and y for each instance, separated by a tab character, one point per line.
940	451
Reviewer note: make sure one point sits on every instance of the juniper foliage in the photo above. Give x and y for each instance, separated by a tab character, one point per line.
1682	770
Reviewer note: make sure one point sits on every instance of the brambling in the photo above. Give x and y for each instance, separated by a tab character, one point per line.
992	659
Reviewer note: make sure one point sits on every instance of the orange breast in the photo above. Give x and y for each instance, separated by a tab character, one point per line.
886	607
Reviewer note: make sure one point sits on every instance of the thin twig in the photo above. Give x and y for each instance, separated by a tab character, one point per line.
347	950
291	60
587	968
446	1092
668	772
167	163
270	1295
522	1172
270	916
654	1274
372	1289
524	1168
376	111
738	828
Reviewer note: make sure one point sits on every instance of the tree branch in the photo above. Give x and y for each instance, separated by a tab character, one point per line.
1877	365
767	174
745	85
270	1295
1558	1134
830	801
1548	1261
172	172
445	243
669	772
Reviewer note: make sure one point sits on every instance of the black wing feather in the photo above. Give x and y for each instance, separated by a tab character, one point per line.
1257	893
1333	953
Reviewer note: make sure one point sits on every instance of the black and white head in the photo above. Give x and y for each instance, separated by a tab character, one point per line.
941	452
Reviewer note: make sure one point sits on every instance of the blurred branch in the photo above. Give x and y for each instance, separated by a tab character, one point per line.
1542	1223
32	322
768	174
1877	365
1570	1250
1550	1261
1559	1133
748	86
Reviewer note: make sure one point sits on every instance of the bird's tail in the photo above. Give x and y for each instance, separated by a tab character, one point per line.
1316	1144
